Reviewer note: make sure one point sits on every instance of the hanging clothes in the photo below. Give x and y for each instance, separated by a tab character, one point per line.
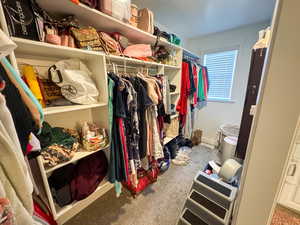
193	95
15	182
136	107
117	172
21	115
184	92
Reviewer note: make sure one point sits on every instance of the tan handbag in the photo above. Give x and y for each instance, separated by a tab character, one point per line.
87	38
146	20
110	45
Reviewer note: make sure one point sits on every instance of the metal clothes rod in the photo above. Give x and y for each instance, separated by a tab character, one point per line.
28	64
132	67
191	55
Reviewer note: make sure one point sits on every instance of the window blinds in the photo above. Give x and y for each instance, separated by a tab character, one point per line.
220	67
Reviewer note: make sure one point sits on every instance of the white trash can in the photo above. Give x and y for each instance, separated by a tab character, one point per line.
228	148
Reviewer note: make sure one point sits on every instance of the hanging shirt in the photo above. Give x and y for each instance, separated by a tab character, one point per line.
201	93
21	115
117	167
184	91
195	77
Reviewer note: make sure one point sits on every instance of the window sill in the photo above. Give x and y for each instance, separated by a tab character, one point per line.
221	100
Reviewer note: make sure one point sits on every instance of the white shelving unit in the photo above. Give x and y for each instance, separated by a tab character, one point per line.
101	21
41	55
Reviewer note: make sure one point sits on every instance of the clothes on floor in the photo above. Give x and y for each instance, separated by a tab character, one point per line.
137	109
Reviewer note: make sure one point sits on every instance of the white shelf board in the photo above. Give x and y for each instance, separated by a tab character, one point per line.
70	108
121	59
77	156
57	51
49	50
68	211
100	21
170	67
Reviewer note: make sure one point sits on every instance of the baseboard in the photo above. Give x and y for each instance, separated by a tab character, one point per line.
209	142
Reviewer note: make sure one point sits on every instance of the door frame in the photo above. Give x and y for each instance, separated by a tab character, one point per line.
274	122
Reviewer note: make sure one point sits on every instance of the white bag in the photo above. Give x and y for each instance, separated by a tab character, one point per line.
73	77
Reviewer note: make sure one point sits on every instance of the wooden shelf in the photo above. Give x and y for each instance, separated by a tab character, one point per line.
68	211
101	21
78	155
62	109
49	50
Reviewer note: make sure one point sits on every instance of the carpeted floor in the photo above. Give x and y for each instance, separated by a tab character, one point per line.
284	216
159	204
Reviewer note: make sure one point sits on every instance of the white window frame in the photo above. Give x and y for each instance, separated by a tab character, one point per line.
232	48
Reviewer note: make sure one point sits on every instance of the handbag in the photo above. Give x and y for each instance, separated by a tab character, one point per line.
145	178
110	45
75	81
91	3
87	38
146	20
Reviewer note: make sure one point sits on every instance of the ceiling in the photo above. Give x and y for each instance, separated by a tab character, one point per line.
191	18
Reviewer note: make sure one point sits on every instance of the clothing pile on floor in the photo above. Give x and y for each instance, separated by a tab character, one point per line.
182	157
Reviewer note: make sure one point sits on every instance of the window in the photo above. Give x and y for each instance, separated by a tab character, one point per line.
220	67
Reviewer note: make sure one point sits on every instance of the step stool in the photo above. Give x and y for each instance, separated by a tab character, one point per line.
210	202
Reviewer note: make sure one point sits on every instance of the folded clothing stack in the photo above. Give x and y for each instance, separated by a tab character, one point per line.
58	144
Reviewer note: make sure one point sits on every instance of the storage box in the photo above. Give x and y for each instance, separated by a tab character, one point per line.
20	19
119	9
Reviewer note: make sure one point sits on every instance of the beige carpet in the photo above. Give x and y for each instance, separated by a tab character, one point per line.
159	204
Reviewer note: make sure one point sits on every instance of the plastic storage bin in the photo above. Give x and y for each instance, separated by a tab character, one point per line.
228	148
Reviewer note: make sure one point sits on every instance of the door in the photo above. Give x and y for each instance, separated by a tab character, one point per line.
256	67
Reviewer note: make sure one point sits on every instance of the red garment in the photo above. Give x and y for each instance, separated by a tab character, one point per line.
145	178
88	174
184	92
124	144
45	216
205	80
196	84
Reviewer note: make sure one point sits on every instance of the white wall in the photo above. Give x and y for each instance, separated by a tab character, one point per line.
217	113
275	121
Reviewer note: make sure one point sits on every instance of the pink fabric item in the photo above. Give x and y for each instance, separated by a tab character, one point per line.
139	50
65	40
53	39
71	42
